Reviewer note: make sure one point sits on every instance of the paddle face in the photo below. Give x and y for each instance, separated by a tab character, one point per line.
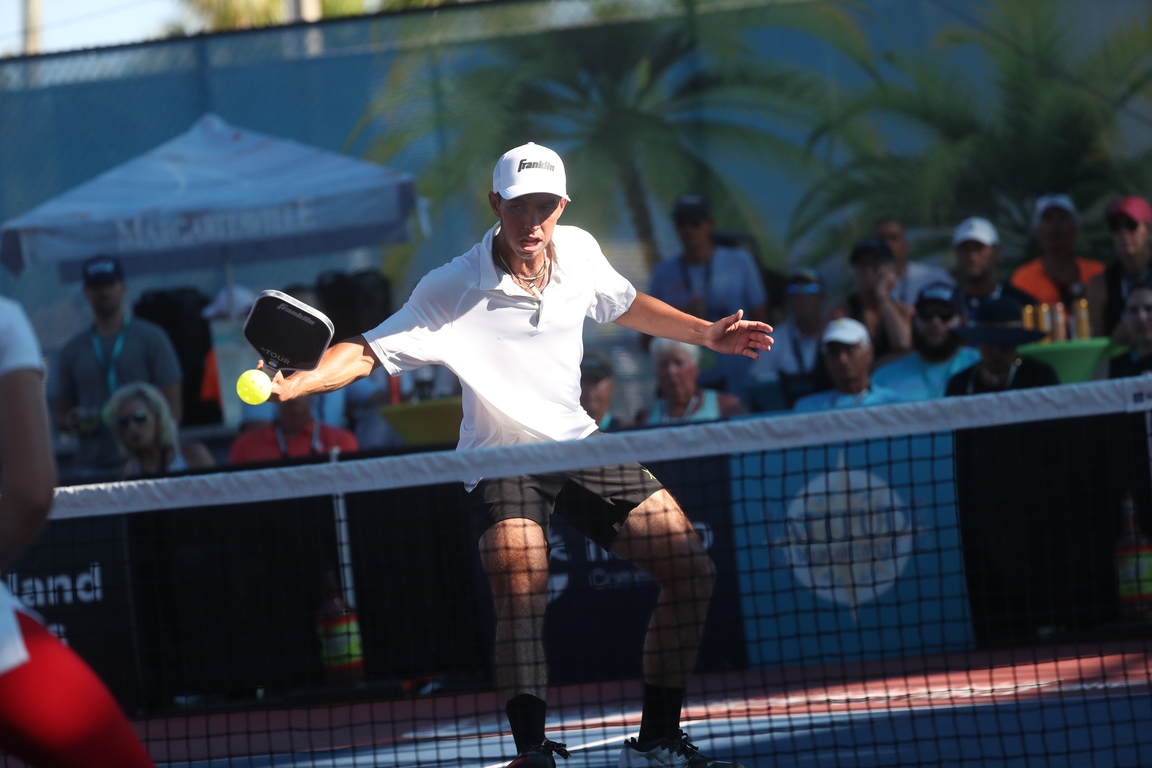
287	333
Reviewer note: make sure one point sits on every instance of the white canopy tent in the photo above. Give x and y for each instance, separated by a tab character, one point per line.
215	195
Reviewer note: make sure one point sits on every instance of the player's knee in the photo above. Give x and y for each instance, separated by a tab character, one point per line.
691	571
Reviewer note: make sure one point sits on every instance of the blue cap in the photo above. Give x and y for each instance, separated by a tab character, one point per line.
942	292
691	207
871	245
102	270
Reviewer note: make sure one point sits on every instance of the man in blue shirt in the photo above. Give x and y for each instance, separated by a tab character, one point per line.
710	281
939	353
848	355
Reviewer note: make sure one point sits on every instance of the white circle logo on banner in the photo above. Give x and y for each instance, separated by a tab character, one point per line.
848	537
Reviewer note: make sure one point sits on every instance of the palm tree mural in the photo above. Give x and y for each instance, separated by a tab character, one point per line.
640	110
1050	119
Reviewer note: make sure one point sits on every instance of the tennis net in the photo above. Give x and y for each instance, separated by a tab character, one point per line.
931	583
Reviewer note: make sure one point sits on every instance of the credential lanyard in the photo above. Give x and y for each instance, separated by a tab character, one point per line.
109	366
797	352
707	295
315	447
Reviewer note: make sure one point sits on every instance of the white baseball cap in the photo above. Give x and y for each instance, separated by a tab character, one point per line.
1054	201
978	229
529	169
845	330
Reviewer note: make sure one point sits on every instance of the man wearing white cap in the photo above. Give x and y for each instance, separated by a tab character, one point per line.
1057	274
977	246
507	318
848	355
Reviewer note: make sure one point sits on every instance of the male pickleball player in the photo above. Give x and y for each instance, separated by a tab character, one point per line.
507	318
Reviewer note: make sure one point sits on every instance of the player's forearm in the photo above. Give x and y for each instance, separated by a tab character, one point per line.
651	316
28	466
341	365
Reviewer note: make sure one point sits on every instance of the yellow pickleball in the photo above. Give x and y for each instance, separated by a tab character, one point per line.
254	386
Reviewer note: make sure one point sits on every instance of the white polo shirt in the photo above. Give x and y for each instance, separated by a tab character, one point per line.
517	356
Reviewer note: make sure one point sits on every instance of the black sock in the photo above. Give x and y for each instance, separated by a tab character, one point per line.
661	718
526	716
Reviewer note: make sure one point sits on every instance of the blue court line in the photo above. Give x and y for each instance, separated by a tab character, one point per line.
1101	732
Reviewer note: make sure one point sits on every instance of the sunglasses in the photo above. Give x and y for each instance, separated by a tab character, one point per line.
804	289
945	315
139	417
690	221
1122	222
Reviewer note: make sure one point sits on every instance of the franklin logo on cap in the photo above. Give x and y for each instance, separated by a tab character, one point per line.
527	170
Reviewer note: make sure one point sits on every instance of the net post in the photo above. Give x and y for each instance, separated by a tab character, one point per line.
343	544
1148	435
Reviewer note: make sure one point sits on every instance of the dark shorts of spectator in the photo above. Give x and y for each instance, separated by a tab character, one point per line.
595	501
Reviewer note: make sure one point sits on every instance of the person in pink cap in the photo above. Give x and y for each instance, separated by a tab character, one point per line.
1130	222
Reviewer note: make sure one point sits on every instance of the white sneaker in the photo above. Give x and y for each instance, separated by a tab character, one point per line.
669	753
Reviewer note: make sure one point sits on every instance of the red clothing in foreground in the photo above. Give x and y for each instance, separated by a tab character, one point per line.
55	712
261	444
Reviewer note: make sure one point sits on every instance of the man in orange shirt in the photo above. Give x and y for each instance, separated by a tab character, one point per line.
294	435
1057	274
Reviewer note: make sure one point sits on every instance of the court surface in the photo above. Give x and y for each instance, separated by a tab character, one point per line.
1034	707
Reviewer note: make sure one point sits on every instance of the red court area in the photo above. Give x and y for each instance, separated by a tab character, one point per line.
1009	677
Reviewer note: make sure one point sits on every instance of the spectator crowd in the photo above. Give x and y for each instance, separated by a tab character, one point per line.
906	331
911	331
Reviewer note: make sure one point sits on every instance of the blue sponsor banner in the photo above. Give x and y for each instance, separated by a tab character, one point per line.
850	550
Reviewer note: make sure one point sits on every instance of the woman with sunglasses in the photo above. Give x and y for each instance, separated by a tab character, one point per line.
54	711
146	432
1130	222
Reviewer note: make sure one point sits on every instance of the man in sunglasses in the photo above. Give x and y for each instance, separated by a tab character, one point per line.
710	281
1130	222
939	353
117	349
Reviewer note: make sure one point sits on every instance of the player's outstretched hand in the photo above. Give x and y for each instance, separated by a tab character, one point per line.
734	336
278	385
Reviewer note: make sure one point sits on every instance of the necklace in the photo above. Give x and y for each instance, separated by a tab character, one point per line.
531	280
1008	379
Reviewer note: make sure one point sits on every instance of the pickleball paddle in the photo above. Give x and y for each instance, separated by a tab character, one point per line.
288	335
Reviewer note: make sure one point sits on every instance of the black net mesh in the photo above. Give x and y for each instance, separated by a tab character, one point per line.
900	599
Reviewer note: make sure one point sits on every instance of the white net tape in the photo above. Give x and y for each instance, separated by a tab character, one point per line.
749	434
